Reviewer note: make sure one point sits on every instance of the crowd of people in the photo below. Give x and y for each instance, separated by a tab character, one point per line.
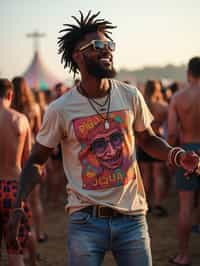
91	138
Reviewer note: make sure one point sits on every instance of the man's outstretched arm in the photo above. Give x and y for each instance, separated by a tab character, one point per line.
160	149
152	144
30	175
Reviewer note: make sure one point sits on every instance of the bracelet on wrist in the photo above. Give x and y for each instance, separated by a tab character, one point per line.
176	161
173	156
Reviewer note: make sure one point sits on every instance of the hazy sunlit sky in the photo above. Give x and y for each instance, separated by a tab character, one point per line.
151	32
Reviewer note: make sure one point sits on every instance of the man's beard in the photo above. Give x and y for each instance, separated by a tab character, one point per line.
99	71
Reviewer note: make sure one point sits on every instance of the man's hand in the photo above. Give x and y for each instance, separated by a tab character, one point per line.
190	161
13	227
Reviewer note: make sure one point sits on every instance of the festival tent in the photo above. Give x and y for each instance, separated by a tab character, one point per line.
38	76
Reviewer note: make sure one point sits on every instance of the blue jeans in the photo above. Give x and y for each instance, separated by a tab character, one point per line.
90	237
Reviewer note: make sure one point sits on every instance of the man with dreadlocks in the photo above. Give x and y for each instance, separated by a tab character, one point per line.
96	123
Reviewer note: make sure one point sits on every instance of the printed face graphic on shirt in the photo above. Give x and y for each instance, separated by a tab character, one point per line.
108	148
106	154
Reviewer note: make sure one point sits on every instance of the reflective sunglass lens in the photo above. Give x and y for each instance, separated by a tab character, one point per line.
99	44
102	45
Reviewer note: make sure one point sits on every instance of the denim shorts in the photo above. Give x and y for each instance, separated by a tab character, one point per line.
89	238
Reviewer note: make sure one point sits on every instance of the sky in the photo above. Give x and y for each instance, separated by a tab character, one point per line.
148	33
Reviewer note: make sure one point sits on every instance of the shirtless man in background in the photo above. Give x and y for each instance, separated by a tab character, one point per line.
184	126
15	145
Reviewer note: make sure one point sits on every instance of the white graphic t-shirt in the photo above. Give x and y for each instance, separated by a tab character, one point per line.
99	161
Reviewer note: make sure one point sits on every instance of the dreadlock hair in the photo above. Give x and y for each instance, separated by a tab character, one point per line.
76	33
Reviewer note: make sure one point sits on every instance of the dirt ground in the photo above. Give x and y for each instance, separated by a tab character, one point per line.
162	231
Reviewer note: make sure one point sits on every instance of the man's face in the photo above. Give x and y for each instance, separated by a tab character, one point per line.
98	61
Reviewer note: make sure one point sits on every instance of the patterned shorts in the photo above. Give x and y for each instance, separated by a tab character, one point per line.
8	190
